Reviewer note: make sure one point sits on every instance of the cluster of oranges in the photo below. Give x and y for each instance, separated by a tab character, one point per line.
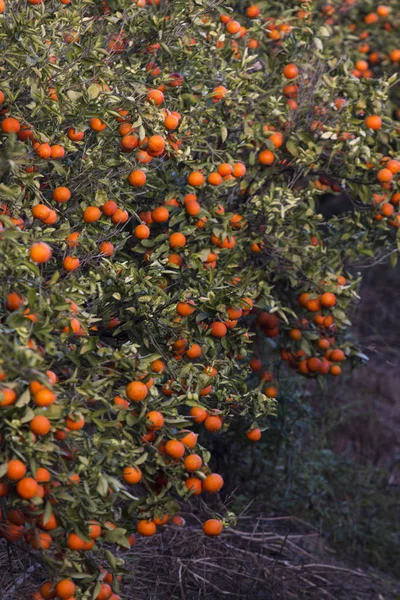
151	231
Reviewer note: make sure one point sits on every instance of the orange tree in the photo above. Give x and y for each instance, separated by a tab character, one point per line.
162	165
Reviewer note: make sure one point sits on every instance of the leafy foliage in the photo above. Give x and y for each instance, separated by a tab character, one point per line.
161	173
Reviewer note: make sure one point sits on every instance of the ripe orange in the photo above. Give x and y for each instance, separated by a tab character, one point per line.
196	179
129	143
109	208
189	439
97	124
214	179
71	263
137	178
219	93
373	122
192	463
47	590
239	170
10	125
384	175
213	483
155	96
393	166
75	422
40	211
107	249
199	414
253	11
146	528
75	136
291	71
91	214
7	397
337	355
120	216
44	397
42	475
194	351
277	139
218	329
175	449
212	527
328	299
57	151
253	434
27	488
65	589
177	240
271	392
132	475
213	423
171	122
40	252
233	27
156	143
142	232
225	169
15	469
14	302
40	425
105	592
136	391
266	157
160	214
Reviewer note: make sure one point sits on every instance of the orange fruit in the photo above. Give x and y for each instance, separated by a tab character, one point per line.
373	122
71	263
27	488
192	463
177	240
175	449
40	425
384	175
155	96
10	125
91	214
218	329
196	179
97	124
109	208
156	420
156	143
146	528
253	11
142	232
160	214
239	170
253	434
136	391
40	211
74	135
291	71
213	423
44	397
120	216
214	179
15	469
212	527
107	249
132	475
137	178
40	252
14	301
266	157
233	27
65	589
328	299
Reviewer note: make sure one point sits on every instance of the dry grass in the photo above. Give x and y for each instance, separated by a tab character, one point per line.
262	558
